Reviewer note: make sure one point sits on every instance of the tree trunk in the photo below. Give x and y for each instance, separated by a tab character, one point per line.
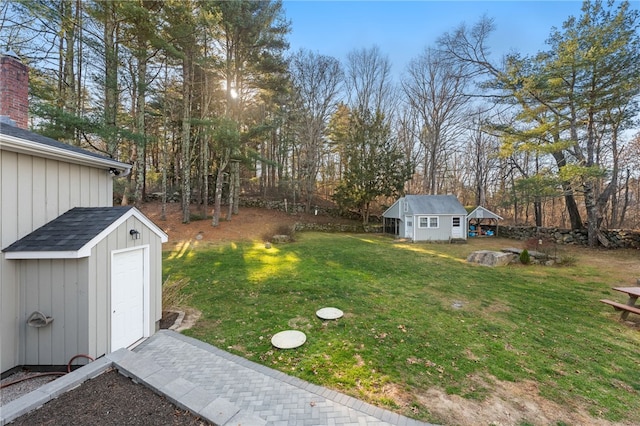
140	121
625	205
569	199
537	210
236	186
110	78
217	203
592	214
186	138
232	189
165	148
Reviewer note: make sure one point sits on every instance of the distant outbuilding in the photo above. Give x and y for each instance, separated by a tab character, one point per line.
426	218
483	222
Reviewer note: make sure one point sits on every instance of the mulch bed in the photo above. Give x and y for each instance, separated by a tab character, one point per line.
110	399
168	319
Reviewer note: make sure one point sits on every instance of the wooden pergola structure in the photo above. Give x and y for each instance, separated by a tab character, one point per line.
482	223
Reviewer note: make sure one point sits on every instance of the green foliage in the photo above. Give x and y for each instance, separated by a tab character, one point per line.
525	258
226	135
538	186
67	127
417	317
578	174
572	100
375	166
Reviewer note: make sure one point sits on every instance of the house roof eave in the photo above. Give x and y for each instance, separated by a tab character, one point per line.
24	146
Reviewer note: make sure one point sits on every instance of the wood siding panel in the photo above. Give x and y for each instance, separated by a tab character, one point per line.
83	311
9	286
38	192
64	188
75	186
52	206
25	201
155	253
442	233
58	308
34	191
45	293
92	301
29	274
71	317
102	307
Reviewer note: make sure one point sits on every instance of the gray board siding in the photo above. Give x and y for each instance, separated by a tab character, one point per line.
76	293
34	191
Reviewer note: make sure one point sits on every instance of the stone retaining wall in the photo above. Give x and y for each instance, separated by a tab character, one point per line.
289	207
619	238
338	227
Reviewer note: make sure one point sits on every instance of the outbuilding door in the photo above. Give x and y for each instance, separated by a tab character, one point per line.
456	227
127	297
408	227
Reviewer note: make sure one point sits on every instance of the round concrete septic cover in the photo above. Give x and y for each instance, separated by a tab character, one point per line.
288	339
329	313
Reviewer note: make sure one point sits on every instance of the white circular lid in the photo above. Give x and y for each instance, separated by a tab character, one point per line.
288	339
329	313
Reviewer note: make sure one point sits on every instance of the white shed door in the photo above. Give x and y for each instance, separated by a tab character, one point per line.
456	229
127	298
408	227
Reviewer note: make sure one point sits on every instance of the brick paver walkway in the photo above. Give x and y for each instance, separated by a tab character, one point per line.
232	390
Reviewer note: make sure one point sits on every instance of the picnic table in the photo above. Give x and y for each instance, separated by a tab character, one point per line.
630	306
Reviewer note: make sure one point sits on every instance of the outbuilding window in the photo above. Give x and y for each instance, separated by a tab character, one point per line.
428	222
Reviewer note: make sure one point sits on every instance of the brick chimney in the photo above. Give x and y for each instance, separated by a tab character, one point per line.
14	90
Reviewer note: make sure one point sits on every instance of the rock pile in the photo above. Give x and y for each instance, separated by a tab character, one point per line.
491	258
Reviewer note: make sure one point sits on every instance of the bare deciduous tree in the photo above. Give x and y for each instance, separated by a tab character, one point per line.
435	88
316	81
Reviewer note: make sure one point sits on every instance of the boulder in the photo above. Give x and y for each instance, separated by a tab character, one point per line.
491	258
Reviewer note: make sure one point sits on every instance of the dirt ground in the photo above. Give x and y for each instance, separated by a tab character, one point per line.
510	404
110	399
248	224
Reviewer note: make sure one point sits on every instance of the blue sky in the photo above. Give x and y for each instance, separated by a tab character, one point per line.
402	29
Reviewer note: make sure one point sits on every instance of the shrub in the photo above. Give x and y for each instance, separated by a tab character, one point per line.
289	231
568	260
525	259
173	294
542	245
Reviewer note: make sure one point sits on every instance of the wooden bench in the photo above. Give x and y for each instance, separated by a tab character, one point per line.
622	307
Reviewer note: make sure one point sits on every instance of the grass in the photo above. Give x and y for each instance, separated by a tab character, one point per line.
417	316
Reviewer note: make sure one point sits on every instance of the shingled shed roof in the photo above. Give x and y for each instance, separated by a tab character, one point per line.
435	204
73	234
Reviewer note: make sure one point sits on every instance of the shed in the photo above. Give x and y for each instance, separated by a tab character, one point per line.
77	275
426	218
483	222
86	281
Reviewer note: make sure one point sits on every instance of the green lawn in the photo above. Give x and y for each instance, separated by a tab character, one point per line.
417	316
